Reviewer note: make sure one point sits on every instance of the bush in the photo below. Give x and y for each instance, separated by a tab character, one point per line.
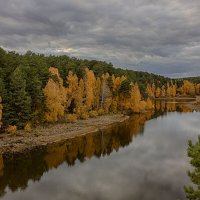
100	111
11	129
84	115
28	127
71	118
93	113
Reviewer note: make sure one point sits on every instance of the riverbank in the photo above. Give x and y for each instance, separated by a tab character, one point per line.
23	141
194	105
190	102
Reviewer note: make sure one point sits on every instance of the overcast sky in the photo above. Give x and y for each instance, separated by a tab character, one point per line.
159	36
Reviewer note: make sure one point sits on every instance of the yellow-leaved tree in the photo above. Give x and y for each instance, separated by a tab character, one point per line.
135	98
54	93
71	90
90	81
149	91
158	92
116	83
149	105
188	87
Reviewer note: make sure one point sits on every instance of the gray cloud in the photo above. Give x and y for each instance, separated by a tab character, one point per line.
157	36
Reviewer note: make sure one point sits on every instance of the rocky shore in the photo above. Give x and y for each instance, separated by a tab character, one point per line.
23	141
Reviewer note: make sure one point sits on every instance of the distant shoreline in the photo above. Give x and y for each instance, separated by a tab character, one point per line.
176	98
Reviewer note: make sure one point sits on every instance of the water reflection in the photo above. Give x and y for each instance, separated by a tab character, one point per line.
17	170
135	168
171	106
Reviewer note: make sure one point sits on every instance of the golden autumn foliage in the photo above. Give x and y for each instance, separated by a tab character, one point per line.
149	104
107	105
90	96
149	91
1	112
100	111
90	81
73	91
158	92
135	99
187	88
116	82
197	88
55	95
28	127
11	129
71	118
170	90
93	113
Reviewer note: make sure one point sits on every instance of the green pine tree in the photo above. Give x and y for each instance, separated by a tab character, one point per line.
20	108
193	192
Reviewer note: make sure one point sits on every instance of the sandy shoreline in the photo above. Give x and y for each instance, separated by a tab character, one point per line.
41	136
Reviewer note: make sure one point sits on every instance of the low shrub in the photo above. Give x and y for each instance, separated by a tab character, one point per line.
71	118
11	129
93	113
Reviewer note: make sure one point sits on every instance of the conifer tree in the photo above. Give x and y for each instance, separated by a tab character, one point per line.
20	101
193	192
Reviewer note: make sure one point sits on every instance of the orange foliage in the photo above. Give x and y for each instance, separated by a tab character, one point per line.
90	81
158	92
149	105
135	98
11	129
55	97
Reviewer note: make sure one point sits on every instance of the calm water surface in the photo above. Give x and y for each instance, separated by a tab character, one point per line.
140	159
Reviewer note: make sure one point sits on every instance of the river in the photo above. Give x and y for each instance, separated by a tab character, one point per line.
145	158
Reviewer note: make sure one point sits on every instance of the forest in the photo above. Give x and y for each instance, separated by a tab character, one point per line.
36	88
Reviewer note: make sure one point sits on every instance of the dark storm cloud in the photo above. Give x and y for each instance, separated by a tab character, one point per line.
157	36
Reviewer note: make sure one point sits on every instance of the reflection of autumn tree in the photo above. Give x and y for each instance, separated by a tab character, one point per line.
18	170
137	122
184	108
163	106
98	144
89	146
55	155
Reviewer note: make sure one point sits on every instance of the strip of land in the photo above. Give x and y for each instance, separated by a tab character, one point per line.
23	141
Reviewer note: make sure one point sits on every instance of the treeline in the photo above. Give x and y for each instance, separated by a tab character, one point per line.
35	88
173	89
